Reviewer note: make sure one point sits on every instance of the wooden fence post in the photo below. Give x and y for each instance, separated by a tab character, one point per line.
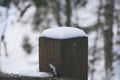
68	56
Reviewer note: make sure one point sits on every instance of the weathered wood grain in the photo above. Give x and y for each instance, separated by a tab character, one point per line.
69	56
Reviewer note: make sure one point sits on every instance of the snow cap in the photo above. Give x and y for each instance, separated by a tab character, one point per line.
63	33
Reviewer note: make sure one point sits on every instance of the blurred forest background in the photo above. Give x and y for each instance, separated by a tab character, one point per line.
22	22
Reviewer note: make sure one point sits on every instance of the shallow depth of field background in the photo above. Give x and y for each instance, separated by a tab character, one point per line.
22	22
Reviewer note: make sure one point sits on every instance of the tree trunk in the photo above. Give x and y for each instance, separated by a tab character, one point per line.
56	9
68	12
81	2
108	37
118	28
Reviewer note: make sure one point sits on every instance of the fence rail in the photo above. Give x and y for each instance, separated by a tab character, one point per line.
31	78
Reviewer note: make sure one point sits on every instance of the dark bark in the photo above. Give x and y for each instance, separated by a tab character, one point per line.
68	12
80	2
56	11
108	35
5	3
118	27
95	50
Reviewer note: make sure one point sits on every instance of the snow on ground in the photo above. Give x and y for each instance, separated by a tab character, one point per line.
36	74
63	33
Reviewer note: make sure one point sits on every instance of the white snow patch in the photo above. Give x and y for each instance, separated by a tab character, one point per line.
86	16
18	61
28	15
36	74
53	68
86	19
92	36
63	33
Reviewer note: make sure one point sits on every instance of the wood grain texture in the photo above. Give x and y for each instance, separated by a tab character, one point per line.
69	56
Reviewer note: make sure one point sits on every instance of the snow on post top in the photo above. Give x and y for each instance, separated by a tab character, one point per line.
63	33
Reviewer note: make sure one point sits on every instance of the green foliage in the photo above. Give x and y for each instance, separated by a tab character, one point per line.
39	3
26	45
